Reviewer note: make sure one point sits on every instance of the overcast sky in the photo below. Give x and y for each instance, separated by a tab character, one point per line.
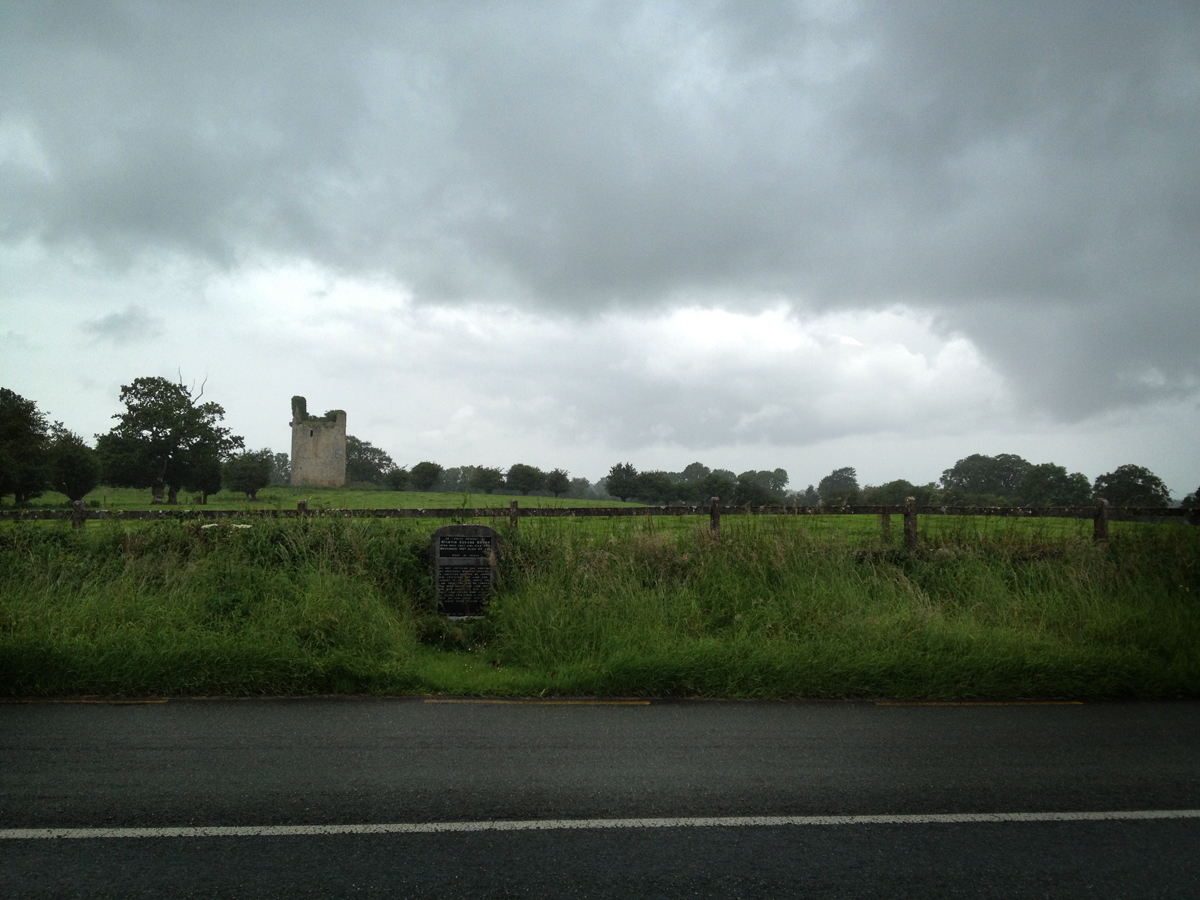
804	235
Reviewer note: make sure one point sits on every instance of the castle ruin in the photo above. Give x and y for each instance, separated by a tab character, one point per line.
318	447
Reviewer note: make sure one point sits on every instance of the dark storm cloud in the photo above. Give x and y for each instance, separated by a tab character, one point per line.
130	326
1026	172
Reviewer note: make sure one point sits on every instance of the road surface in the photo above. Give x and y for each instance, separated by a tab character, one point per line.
412	797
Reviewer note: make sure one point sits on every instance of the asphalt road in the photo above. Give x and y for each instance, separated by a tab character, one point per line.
352	761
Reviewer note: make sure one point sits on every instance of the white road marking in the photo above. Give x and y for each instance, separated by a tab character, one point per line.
27	834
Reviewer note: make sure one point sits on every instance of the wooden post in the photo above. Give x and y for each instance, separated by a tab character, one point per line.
714	516
302	508
512	513
1100	523
910	523
885	528
77	514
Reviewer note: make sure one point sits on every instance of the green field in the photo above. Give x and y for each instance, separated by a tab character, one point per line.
776	607
285	497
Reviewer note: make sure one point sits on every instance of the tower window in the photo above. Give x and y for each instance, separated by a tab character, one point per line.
310	432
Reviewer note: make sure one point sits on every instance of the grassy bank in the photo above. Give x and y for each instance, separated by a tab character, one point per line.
775	608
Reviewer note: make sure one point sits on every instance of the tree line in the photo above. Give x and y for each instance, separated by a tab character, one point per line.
366	464
370	465
1004	480
168	438
975	480
697	483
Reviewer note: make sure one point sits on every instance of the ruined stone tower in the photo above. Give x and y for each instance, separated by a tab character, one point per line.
318	446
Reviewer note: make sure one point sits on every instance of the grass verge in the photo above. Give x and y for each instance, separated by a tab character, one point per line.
774	608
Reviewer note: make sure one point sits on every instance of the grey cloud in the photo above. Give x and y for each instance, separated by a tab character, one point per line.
1025	171
661	381
133	325
16	341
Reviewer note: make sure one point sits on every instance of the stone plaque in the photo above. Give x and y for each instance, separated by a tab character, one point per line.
464	570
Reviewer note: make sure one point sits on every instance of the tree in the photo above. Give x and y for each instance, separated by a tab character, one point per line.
558	482
1131	485
839	487
1192	500
810	496
979	475
695	472
486	478
204	476
365	462
894	493
248	472
622	481
656	486
684	491
720	484
281	469
74	466
1076	493
581	489
1046	484
773	482
165	439
424	475
751	491
456	479
396	478
525	478
24	448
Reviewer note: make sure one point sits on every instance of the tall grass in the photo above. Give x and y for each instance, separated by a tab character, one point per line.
773	610
181	608
776	607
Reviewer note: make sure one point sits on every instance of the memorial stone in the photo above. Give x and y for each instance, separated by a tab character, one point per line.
464	568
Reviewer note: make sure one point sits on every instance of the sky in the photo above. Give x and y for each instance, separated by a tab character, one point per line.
758	235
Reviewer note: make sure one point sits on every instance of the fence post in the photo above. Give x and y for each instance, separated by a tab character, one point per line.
1100	523
302	508
910	523
512	513
77	514
714	516
885	528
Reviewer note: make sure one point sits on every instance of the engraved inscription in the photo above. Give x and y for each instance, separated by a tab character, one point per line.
453	546
463	589
463	558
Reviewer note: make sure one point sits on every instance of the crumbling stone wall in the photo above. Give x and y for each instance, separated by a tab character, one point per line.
318	446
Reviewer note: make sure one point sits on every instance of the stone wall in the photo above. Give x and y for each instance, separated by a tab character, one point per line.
318	447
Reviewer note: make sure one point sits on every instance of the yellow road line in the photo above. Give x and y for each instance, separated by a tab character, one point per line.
537	702
105	702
